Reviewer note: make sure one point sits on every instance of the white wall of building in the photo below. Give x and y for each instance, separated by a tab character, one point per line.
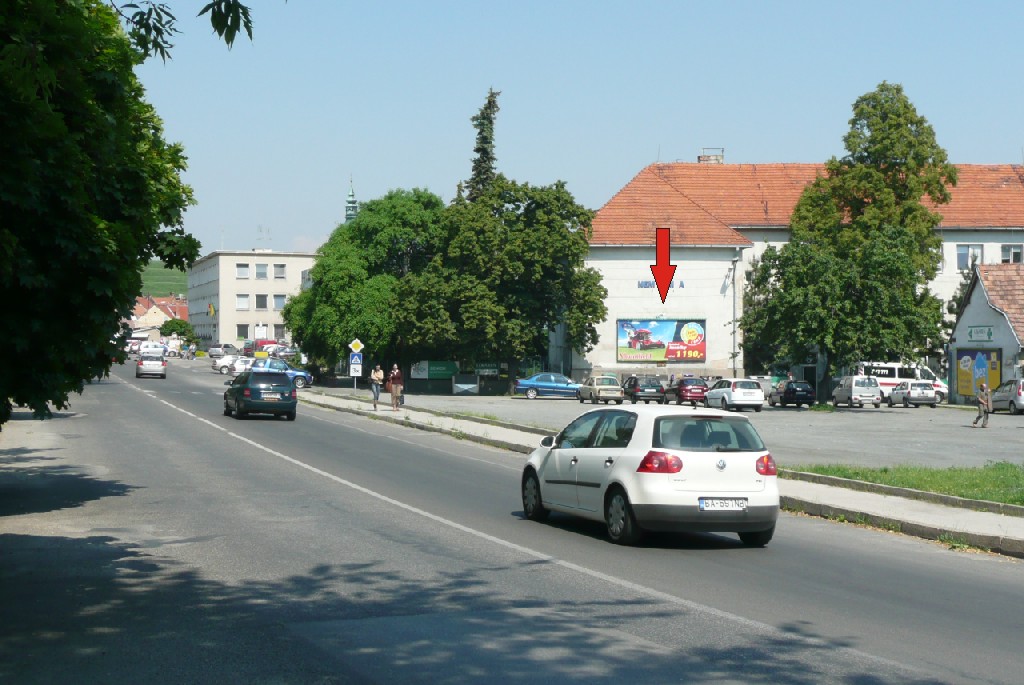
246	289
707	292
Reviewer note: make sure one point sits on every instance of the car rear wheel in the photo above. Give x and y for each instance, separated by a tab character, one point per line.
1014	409
533	505
227	409
771	401
300	382
835	402
757	538
290	416
618	515
725	404
593	400
707	405
531	393
888	400
239	413
225	370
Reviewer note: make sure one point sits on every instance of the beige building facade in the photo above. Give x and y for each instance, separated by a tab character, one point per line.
237	296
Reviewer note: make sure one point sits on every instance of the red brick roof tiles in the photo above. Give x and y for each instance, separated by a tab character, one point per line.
704	204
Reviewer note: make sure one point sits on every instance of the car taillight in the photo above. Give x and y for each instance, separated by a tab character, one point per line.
163	363
295	394
246	393
139	363
766	466
1020	389
660	462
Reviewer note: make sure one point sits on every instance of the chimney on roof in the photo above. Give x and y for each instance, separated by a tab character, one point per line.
711	155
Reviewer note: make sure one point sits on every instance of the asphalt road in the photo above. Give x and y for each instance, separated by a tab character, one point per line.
147	538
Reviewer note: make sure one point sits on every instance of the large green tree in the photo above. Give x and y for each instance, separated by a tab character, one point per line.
511	270
852	283
91	192
356	277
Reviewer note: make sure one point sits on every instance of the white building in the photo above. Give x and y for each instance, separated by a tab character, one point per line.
235	296
720	217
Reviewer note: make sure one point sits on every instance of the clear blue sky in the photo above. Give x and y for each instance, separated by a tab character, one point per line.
591	92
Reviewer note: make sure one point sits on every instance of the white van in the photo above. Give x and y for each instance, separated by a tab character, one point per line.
856	391
891	374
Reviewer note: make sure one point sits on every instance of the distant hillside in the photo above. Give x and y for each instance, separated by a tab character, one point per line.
161	282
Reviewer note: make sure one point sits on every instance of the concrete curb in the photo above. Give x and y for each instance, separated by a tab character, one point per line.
921	495
1001	545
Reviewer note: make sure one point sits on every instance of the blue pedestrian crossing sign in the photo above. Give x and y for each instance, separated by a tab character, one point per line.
355	358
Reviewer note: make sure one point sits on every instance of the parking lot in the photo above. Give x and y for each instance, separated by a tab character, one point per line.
939	437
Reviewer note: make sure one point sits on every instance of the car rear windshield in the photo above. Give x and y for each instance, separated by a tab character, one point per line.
747	385
271	378
869	382
802	386
706	434
607	381
650	381
692	381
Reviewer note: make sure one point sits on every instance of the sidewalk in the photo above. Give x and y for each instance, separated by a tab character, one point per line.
924	515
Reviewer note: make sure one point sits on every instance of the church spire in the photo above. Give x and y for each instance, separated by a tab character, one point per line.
351	206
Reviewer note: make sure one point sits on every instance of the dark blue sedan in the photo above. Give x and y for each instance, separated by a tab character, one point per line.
546	385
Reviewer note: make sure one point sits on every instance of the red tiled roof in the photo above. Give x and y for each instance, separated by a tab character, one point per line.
705	203
1003	285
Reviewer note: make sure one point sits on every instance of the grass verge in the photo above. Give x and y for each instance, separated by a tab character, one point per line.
999	481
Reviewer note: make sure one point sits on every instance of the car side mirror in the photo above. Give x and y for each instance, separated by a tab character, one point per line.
227	382
547	441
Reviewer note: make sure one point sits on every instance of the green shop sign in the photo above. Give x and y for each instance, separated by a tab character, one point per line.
434	370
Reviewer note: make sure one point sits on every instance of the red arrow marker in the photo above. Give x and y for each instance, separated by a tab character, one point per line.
663	271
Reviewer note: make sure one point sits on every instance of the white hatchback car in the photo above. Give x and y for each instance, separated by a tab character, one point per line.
735	393
657	468
913	393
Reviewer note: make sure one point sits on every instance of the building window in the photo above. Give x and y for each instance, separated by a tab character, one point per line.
278	331
279	302
241	302
279	271
967	255
1012	254
242	331
261	272
241	271
261	302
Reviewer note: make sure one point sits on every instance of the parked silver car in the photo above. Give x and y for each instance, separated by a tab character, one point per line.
1009	395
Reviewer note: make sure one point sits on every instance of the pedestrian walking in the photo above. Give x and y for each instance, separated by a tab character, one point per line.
984	406
396	384
376	379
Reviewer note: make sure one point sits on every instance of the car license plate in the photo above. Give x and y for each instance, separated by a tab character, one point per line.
271	395
722	503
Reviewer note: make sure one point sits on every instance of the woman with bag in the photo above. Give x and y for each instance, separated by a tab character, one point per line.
376	378
395	384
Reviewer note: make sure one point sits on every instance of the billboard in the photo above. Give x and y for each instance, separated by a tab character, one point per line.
661	340
974	367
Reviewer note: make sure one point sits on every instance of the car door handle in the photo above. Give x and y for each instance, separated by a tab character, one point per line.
609	461
574	460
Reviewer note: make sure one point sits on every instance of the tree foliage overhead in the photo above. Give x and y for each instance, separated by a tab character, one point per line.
852	281
151	25
91	192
